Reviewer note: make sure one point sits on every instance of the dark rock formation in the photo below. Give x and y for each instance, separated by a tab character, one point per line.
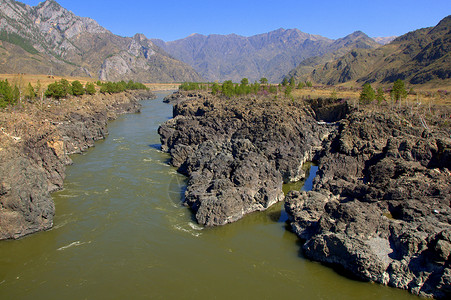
237	152
33	165
380	205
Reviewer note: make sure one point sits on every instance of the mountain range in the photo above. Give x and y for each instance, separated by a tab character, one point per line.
271	55
418	57
50	39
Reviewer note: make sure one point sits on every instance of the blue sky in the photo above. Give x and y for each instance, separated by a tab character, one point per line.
170	20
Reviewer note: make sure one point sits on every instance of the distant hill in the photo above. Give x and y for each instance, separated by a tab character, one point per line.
50	39
418	57
271	55
356	40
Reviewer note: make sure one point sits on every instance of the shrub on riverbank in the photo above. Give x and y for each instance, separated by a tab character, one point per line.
121	86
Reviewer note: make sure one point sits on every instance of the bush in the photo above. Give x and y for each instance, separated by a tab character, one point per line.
77	88
59	89
121	86
189	86
90	88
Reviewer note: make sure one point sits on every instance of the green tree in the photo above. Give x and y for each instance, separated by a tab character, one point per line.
244	81
215	88
285	81
228	89
288	91
59	89
255	87
55	90
6	93
380	95
30	92
399	90
38	88
90	88
264	80
189	86
308	84
367	95
301	85
292	82
16	94
77	88
66	86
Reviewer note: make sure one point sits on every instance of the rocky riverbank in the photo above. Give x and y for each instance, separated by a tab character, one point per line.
35	144
380	205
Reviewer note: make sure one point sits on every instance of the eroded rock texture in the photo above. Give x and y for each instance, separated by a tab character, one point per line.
238	152
380	205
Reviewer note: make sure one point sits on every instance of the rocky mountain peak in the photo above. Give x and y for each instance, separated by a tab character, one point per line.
70	45
140	37
54	19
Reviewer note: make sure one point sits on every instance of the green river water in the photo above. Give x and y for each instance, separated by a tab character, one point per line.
120	232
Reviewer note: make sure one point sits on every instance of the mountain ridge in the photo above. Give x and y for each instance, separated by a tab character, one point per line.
271	55
418	57
56	40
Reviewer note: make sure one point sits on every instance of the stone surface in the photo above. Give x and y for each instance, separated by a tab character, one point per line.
380	205
237	152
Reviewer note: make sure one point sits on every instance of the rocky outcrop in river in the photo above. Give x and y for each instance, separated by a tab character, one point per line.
238	152
380	204
35	144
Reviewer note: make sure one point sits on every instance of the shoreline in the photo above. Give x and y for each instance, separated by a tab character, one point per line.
36	143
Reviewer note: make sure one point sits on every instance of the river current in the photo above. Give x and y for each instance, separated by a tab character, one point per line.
121	232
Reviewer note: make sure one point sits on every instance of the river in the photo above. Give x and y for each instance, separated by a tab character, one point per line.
120	232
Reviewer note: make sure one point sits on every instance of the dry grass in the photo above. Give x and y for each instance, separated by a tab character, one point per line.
44	79
162	86
426	96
